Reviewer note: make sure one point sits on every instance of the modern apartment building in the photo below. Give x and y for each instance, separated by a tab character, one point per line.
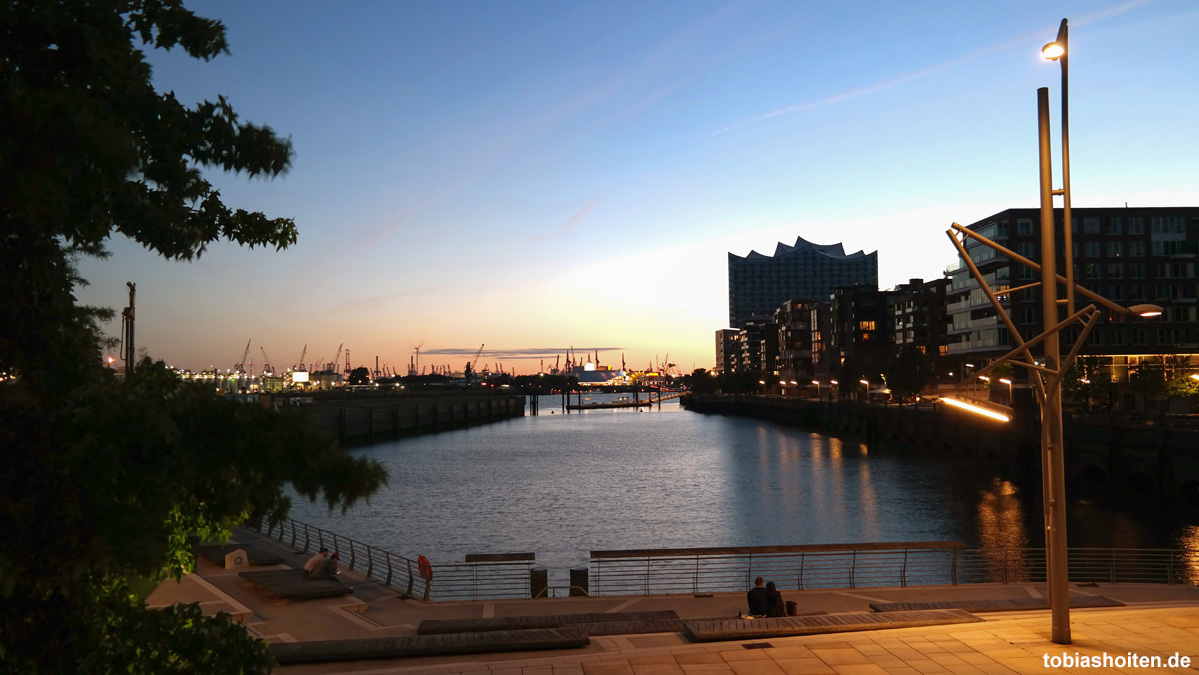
918	318
1128	255
759	342
795	342
760	284
728	350
860	332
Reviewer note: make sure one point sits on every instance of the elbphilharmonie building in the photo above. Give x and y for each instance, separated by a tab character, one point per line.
759	284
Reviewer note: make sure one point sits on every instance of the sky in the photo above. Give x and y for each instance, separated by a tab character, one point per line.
532	176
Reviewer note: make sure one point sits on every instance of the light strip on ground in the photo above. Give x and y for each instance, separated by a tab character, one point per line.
976	409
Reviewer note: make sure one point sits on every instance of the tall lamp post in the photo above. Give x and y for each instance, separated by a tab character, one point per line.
1052	443
1049	372
1058	50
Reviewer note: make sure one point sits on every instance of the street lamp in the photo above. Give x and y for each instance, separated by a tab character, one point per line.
1058	50
817	383
1009	389
1049	370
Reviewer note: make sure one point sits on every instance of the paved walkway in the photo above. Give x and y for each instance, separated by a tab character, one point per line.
1158	621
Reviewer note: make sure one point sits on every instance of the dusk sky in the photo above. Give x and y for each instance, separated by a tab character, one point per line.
541	175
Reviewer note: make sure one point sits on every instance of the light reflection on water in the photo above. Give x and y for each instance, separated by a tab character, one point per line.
562	485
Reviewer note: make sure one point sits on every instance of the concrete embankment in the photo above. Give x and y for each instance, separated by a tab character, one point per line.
364	417
1149	457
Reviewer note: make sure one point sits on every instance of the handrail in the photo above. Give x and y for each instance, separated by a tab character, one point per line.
724	569
491	577
682	571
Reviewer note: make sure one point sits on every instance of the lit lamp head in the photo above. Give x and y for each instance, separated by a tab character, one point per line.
1056	49
1053	51
1145	310
995	412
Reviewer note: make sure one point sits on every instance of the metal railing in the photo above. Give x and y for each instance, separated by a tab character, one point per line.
872	565
714	570
450	581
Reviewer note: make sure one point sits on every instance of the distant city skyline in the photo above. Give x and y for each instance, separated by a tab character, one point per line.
533	176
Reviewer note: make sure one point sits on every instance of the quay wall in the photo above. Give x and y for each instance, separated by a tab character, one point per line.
357	420
1149	456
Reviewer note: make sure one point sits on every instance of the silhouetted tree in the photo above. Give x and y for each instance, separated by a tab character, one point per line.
103	480
910	371
360	375
703	382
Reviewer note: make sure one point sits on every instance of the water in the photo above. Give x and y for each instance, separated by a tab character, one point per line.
563	485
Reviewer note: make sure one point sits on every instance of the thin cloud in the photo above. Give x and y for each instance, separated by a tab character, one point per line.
904	78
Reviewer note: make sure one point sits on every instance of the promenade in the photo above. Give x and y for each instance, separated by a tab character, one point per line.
1157	620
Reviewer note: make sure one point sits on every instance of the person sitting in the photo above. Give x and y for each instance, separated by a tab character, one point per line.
316	560
326	569
777	607
758	599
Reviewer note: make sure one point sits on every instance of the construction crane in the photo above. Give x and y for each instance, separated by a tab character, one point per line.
475	362
266	363
336	359
303	353
241	365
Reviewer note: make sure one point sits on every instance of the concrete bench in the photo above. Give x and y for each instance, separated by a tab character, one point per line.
257	556
295	584
713	630
999	605
445	626
454	644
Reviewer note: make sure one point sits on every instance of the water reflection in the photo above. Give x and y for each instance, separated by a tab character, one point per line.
1002	533
1188	542
562	485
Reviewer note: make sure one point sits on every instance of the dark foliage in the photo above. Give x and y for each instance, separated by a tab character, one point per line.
104	479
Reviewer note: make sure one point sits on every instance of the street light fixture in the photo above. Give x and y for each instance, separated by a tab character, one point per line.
977	409
1058	50
1049	370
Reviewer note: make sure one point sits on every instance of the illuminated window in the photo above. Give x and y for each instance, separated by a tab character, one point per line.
866	325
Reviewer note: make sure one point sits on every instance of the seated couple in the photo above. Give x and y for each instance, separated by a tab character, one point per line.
765	602
322	565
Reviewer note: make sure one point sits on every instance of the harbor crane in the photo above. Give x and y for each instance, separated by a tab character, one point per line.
266	362
303	353
475	362
336	359
241	365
